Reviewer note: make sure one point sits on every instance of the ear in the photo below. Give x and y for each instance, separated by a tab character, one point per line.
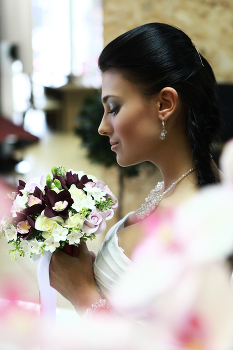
168	102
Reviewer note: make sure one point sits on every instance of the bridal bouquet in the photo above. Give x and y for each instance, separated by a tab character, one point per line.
57	212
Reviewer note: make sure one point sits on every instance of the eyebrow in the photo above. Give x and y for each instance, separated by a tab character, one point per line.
105	98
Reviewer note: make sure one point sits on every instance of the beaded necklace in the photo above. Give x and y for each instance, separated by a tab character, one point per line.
154	198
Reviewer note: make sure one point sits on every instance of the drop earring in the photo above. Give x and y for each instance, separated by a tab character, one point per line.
163	131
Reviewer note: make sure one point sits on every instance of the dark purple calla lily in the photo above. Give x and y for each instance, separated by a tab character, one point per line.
21	186
83	181
73	179
52	198
38	193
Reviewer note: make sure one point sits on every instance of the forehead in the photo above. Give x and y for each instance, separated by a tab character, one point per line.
113	83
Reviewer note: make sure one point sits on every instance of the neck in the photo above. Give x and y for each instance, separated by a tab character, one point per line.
175	159
175	183
172	174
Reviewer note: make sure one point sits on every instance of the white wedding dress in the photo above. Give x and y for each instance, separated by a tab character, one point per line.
111	262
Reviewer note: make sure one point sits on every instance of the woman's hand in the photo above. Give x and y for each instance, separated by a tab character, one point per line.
73	277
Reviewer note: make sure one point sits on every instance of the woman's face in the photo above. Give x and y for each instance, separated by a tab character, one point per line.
130	120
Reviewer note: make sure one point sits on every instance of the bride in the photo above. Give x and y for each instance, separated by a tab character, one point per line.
159	97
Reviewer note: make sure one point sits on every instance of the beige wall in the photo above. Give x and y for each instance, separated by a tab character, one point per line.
209	23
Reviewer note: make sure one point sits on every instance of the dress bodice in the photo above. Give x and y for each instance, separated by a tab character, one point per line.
111	262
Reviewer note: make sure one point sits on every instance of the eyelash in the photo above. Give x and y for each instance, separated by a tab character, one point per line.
114	111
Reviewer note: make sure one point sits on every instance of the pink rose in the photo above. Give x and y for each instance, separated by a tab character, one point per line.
107	214
100	184
106	189
94	223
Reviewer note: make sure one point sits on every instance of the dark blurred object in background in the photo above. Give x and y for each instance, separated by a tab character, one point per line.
12	137
225	94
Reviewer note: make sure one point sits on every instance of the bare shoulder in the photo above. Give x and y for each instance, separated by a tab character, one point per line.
130	237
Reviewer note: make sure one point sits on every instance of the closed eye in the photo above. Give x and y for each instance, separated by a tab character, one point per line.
114	110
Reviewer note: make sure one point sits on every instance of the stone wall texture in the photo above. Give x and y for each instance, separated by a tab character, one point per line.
209	23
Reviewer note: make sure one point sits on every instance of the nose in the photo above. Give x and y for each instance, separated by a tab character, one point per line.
105	127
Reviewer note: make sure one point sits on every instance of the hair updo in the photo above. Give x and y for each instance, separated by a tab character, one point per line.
157	55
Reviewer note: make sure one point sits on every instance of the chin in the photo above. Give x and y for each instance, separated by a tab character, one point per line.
125	163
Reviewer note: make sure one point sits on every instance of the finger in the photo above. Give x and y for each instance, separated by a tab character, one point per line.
93	256
68	249
75	251
83	250
60	257
80	250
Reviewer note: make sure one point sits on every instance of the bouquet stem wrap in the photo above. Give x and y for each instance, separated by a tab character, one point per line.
48	295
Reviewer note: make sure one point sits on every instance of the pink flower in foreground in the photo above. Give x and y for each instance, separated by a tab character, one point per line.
190	335
23	317
199	232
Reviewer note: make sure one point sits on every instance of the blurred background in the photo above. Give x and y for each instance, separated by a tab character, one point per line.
50	84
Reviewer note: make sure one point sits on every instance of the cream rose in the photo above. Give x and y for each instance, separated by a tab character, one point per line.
43	223
46	234
76	192
74	221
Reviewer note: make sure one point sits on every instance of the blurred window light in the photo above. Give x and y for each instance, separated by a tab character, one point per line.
22	167
67	38
35	122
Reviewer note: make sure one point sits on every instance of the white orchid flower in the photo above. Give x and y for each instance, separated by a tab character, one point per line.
35	246
74	237
25	245
51	245
94	191
87	202
60	233
11	233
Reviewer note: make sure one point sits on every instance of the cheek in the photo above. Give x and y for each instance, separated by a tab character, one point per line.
124	129
138	126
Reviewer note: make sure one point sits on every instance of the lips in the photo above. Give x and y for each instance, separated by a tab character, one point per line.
113	145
